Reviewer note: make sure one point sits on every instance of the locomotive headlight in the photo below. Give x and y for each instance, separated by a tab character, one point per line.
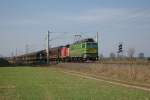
84	56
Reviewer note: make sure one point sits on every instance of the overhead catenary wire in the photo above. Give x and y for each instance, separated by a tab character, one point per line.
83	34
64	38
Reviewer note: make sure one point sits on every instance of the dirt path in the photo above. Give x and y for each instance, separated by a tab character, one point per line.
83	75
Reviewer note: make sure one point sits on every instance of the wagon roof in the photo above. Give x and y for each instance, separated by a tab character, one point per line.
85	40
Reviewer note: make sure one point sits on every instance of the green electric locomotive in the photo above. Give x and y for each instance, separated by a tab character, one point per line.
86	49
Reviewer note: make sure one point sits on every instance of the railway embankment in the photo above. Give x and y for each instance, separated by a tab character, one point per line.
136	74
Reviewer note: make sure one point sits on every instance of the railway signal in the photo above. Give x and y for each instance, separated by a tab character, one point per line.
120	49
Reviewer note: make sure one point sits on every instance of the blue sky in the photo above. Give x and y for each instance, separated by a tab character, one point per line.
27	21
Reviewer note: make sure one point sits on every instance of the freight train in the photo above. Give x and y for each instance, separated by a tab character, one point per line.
83	50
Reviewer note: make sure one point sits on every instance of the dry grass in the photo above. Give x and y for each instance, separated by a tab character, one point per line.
7	87
8	93
48	83
126	72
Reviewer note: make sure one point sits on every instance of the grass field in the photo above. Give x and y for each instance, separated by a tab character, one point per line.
36	83
135	73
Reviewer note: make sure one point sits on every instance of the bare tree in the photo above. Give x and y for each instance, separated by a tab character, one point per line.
1	56
112	55
131	52
141	55
101	56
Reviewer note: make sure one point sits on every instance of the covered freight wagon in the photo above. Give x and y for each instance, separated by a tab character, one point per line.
55	53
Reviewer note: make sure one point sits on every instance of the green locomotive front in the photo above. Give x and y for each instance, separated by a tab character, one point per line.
86	49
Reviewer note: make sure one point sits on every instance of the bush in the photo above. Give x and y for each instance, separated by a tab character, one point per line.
3	62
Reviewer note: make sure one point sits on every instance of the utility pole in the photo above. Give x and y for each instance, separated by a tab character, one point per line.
12	54
26	52
97	40
16	52
16	55
47	49
97	37
26	49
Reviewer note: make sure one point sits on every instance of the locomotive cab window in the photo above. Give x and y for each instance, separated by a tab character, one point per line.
83	45
91	45
94	45
88	45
